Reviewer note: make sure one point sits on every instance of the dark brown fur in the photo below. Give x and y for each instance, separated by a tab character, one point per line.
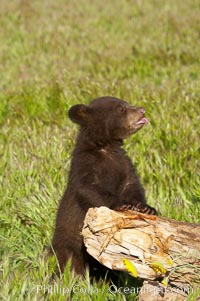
101	173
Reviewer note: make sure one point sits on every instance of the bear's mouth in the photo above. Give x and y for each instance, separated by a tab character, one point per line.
142	121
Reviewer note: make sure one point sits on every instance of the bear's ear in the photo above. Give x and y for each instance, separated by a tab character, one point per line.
79	114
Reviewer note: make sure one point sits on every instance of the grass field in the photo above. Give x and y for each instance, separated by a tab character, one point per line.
54	54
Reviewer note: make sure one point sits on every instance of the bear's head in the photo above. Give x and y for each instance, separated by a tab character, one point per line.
107	119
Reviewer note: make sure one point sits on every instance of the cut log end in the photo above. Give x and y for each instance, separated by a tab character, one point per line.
145	246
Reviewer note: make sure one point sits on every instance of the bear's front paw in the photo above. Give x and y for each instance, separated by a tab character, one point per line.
140	207
144	208
124	207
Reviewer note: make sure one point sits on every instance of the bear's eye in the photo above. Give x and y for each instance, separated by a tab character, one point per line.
122	109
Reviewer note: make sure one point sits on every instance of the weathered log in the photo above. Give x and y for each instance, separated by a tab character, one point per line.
146	246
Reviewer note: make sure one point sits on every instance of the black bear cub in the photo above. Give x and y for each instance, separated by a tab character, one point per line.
101	174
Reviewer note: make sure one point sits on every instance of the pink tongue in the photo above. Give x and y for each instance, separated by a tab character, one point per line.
143	121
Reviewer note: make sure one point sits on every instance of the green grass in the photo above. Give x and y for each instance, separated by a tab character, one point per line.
54	54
